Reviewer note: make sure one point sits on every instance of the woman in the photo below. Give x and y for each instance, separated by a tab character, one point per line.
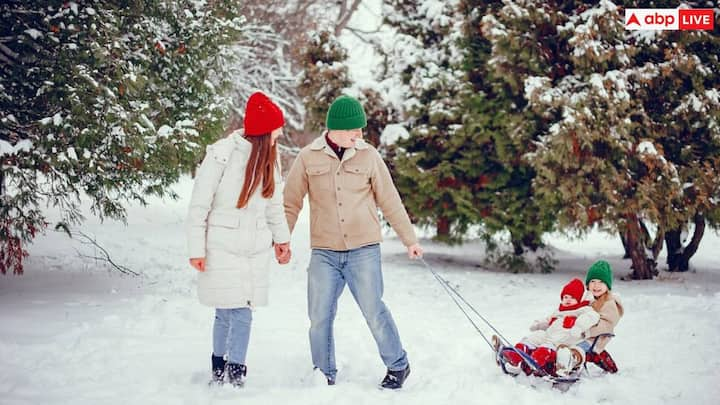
235	216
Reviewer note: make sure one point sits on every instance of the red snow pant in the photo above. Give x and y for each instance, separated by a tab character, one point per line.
544	357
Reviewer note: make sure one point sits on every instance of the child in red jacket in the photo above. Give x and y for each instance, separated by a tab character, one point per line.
560	332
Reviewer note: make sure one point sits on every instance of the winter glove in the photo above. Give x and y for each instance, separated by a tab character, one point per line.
539	324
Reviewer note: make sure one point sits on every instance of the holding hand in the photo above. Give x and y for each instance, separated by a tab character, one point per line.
198	263
415	251
282	252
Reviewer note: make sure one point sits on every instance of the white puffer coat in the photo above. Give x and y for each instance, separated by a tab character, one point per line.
236	242
562	327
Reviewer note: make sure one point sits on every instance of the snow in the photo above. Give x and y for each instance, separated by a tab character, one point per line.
164	131
647	148
76	332
71	153
6	148
34	34
394	132
535	83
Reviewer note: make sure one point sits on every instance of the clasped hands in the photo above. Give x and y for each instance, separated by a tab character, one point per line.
282	255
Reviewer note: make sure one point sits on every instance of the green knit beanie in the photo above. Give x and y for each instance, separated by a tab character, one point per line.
600	270
346	113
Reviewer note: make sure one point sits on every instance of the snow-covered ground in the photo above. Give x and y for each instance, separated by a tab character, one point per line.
75	332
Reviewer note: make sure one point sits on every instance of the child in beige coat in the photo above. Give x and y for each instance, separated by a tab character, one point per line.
599	283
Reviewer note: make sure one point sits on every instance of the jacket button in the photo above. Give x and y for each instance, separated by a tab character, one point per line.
338	188
342	220
345	235
340	204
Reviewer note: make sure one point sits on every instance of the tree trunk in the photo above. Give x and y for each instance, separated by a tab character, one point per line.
678	257
531	241
674	248
643	268
517	247
654	245
623	240
442	228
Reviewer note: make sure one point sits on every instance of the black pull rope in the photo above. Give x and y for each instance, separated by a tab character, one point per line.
455	295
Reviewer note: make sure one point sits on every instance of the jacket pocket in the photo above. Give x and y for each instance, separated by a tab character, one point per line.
356	177
224	220
230	233
318	177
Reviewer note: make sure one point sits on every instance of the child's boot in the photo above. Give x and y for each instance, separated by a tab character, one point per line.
545	359
513	361
603	360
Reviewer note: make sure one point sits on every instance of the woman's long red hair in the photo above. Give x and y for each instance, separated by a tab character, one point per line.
260	169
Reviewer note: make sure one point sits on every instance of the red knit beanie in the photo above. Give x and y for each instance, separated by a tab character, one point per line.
262	116
575	288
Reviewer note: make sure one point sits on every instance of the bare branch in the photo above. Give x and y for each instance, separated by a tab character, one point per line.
345	15
87	240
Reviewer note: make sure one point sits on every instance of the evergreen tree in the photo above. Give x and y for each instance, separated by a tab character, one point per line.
596	163
111	99
324	77
434	167
379	114
679	82
503	131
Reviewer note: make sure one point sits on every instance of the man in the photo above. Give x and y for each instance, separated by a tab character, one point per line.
346	181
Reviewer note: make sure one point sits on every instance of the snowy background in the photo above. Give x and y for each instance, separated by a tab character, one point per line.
75	331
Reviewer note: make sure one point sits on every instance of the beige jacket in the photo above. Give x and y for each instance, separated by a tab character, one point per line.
344	196
236	242
611	310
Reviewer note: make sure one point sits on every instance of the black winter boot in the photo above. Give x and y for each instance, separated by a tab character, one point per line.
236	374
218	369
395	379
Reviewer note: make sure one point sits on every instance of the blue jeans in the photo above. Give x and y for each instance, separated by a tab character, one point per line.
360	268
231	333
585	345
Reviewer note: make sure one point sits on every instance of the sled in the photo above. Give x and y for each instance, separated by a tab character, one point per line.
563	383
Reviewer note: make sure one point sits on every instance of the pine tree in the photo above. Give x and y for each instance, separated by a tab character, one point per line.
679	90
596	163
110	99
434	168
323	79
503	131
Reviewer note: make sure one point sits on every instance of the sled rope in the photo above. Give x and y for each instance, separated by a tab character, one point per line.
455	295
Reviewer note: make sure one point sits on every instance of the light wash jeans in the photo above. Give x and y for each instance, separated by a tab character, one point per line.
585	345
231	333
360	268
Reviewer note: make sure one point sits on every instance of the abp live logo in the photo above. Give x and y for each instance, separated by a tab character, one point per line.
669	19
